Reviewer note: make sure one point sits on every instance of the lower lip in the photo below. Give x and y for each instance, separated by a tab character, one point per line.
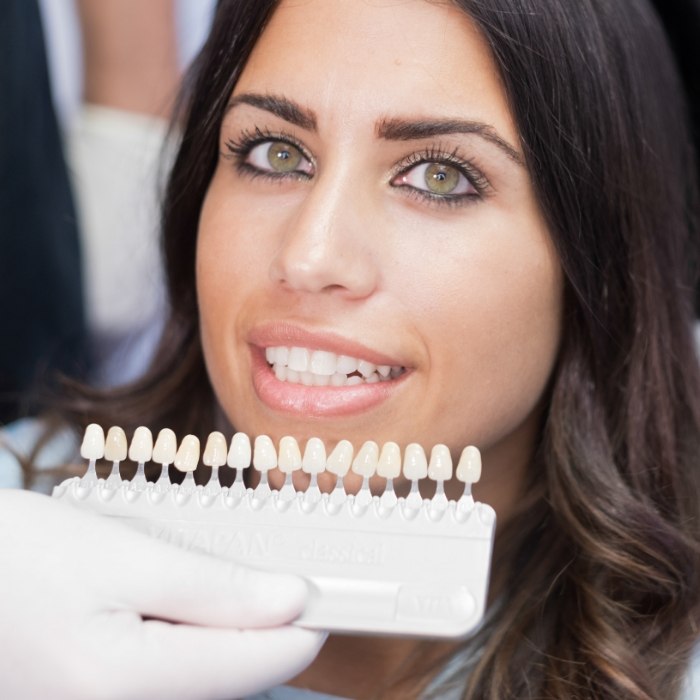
317	401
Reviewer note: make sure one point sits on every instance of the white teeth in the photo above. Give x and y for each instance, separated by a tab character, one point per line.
469	466
389	465
340	458
298	359
366	368
346	365
239	452
415	465
187	454
264	455
93	446
365	463
440	467
282	355
141	448
165	448
314	456
115	444
320	368
289	455
323	363
215	450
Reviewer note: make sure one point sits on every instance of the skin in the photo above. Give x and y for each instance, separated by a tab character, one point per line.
466	294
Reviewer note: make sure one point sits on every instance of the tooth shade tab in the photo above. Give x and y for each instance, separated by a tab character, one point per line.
93	445
141	447
187	455
314	456
115	444
469	466
289	459
264	455
365	462
165	449
215	450
239	453
340	459
440	465
415	464
389	465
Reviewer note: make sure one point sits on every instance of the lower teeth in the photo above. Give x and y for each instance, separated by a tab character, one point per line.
284	374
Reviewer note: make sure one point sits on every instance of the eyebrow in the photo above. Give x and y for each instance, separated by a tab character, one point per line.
409	130
279	106
393	129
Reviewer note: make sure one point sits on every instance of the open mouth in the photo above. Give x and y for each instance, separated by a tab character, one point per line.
298	365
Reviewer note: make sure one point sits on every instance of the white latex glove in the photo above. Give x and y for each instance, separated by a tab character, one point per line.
78	598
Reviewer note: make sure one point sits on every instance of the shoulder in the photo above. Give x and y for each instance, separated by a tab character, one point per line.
691	690
30	438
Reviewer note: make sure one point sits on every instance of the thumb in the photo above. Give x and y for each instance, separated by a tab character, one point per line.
162	581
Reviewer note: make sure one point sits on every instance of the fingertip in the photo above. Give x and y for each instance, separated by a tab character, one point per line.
286	595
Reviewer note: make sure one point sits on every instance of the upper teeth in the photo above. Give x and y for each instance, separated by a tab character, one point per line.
320	368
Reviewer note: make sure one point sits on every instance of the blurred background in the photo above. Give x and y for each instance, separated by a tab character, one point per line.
88	88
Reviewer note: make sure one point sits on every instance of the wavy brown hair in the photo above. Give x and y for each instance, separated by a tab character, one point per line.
599	571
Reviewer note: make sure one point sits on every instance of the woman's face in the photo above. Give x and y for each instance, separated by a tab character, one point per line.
371	201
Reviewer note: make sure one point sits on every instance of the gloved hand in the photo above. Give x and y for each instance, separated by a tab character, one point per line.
88	606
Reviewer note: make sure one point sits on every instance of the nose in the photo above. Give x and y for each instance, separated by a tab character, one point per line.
326	244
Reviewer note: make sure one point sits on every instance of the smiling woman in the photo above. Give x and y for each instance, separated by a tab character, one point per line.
460	223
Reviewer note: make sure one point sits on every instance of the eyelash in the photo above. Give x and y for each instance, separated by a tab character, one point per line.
239	149
442	157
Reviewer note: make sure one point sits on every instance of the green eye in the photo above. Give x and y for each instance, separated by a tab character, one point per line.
437	179
283	157
441	178
276	158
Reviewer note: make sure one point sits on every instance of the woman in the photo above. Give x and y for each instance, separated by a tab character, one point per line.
496	201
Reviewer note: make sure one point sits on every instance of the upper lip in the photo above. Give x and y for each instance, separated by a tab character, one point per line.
288	334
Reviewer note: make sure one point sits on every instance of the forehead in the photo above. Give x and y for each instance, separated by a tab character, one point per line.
350	59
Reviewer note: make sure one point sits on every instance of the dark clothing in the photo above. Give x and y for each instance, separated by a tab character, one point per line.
41	299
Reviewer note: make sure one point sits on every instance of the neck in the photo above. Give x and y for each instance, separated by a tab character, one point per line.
364	667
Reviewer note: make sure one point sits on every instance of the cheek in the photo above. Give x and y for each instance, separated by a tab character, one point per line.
494	326
220	261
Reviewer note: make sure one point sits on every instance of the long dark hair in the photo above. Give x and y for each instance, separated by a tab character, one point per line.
600	569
